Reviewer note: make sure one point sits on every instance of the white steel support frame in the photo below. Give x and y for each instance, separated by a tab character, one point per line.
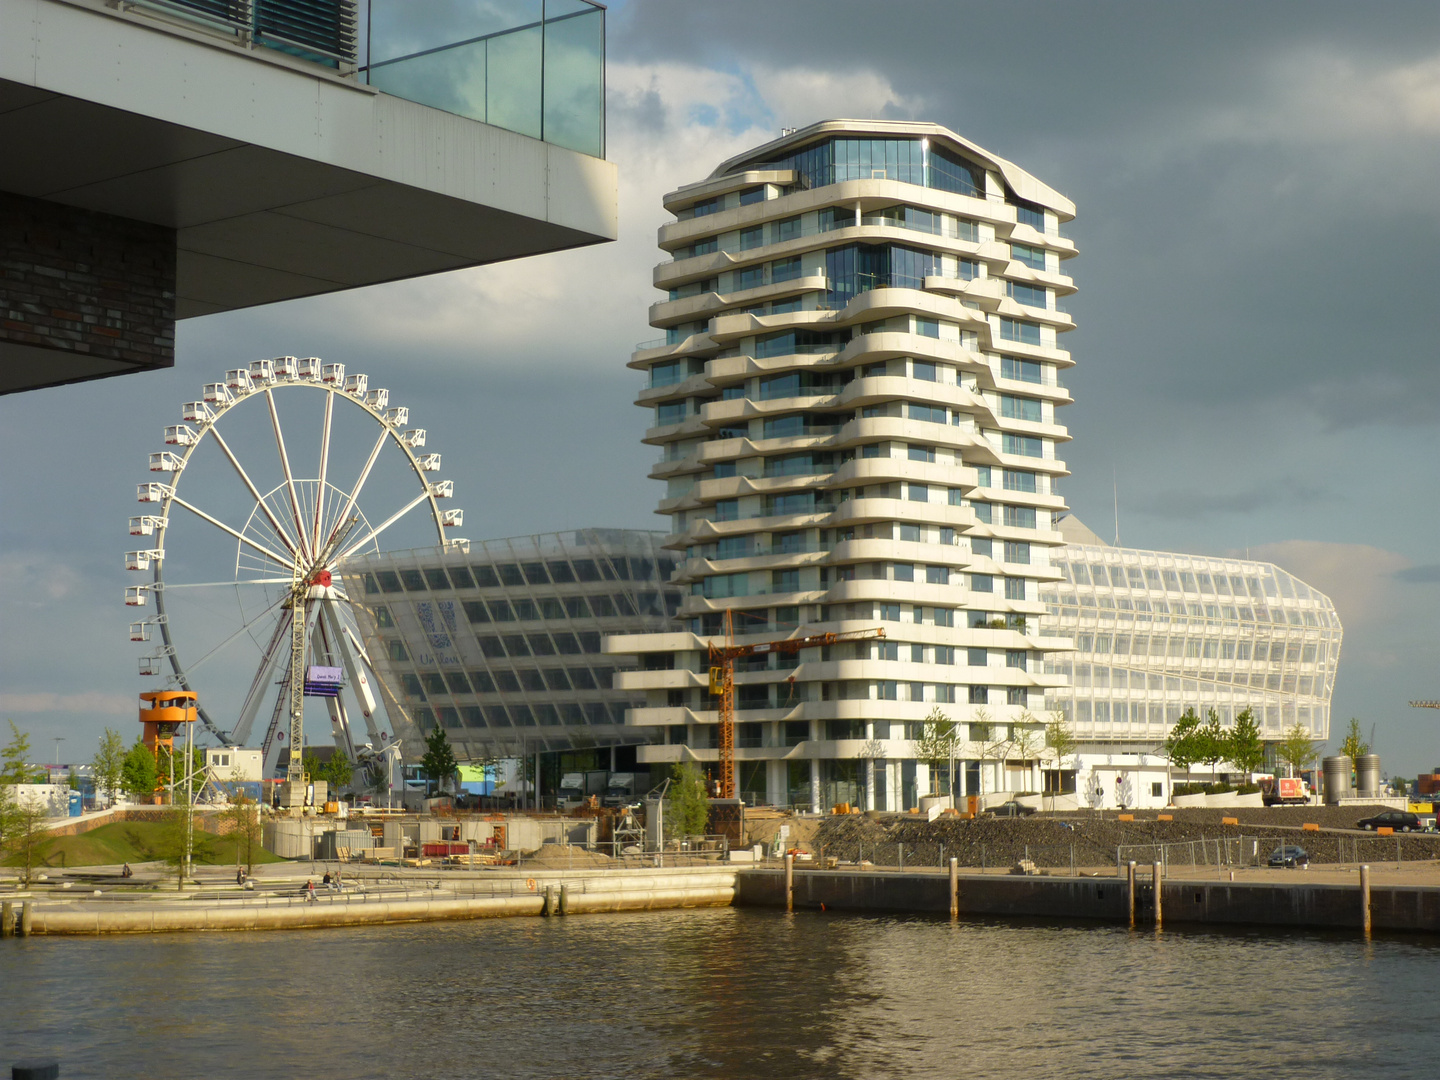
273	551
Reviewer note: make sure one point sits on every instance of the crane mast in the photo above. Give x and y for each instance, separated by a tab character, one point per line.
722	680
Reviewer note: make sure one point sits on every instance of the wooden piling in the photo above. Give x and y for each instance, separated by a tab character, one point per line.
1158	888
7	919
1130	891
1365	899
789	882
954	888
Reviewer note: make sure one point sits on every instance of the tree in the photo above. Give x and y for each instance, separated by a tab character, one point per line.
1183	746
337	772
1025	741
1297	749
985	734
14	764
1354	746
138	773
179	843
243	821
689	809
109	764
1212	741
1244	747
1060	743
27	829
936	746
439	762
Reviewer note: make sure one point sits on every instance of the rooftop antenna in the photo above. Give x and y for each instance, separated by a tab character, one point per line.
1115	484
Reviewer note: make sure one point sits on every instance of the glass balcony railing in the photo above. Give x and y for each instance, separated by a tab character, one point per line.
536	67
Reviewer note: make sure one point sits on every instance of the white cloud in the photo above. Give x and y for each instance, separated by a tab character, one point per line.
668	124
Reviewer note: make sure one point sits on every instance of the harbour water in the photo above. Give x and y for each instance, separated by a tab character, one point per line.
722	993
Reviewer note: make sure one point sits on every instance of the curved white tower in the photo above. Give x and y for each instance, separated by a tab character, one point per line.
854	406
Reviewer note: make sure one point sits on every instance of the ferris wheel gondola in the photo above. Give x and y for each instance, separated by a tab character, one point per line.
277	609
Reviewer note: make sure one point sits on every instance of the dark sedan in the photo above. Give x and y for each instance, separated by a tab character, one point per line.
1011	809
1399	820
1289	855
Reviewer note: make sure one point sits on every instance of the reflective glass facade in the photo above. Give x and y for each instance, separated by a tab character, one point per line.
1157	633
502	645
536	67
910	161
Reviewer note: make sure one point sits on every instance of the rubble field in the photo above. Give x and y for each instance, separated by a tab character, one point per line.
1091	839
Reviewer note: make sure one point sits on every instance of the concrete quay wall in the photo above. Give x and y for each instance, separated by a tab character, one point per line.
1293	904
635	890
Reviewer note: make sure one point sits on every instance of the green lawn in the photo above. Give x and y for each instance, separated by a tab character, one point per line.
134	842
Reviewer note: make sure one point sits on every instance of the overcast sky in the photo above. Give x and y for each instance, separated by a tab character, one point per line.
1255	353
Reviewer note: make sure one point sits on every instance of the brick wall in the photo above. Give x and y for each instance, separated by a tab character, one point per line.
85	283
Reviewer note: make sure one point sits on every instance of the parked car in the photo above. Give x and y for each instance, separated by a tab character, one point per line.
1011	809
1399	820
1291	856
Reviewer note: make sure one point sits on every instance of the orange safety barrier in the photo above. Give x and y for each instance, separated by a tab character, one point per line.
1310	826
1229	821
1164	817
1384	830
1125	817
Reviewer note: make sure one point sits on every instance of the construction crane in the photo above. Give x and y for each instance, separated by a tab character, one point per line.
722	681
1416	705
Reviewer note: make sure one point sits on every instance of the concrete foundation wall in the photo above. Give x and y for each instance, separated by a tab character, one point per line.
1297	904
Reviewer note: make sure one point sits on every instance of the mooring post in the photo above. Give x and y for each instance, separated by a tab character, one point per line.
564	899
1365	899
548	901
1130	891
35	1070
954	887
7	919
1157	889
901	848
27	910
789	882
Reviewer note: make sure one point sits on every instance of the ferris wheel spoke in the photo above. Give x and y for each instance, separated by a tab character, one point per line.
320	499
300	530
280	532
168	586
244	628
359	486
377	530
267	552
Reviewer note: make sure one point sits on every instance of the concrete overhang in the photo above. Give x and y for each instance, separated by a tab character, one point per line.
281	179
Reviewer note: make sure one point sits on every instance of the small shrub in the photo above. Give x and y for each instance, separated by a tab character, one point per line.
1189	789
1247	789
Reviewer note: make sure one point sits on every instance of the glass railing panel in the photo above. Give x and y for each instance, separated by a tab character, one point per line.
536	67
574	90
513	88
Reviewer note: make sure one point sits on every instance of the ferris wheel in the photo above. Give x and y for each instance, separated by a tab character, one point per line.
250	609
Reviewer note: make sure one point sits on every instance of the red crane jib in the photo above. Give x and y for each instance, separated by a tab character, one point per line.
722	659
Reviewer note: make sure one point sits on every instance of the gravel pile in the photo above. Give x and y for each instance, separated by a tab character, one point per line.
1089	840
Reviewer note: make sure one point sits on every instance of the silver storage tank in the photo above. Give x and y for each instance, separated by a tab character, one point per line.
1337	778
1367	774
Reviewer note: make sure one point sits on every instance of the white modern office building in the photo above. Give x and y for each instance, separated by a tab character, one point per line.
1156	633
500	644
854	411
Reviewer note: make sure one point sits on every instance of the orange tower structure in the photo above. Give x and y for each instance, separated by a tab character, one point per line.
167	711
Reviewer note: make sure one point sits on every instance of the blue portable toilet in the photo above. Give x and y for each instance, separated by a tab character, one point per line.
77	803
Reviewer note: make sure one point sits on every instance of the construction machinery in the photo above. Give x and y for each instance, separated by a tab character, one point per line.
722	680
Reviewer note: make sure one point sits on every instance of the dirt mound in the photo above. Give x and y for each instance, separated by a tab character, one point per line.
1093	840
